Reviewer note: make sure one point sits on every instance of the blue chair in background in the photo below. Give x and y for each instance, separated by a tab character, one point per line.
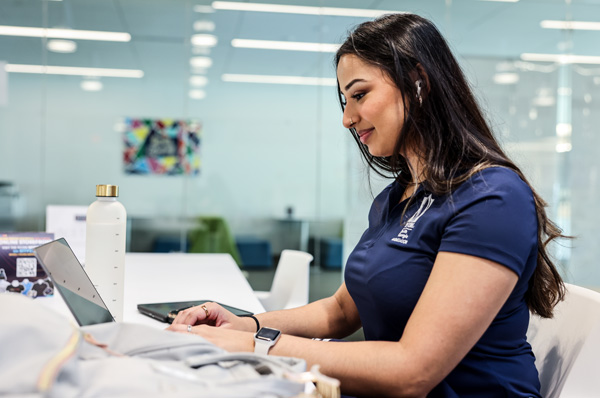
254	252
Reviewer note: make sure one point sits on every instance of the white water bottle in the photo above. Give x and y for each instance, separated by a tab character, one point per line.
106	222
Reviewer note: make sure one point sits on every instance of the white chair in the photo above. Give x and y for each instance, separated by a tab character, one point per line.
567	347
290	284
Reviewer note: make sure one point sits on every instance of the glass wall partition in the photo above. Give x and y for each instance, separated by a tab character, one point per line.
205	110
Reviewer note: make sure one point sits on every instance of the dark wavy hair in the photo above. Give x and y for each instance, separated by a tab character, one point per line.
448	130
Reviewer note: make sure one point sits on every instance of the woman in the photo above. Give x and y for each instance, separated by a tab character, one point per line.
454	258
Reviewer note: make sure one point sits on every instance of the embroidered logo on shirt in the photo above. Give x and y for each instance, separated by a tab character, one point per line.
410	224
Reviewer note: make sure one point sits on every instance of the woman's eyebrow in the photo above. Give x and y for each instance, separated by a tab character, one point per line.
352	82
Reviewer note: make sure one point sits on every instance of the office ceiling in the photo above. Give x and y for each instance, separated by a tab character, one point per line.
161	31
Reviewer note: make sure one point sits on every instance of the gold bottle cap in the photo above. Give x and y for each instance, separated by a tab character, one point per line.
110	191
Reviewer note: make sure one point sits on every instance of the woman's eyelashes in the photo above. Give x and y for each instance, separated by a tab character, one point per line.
358	96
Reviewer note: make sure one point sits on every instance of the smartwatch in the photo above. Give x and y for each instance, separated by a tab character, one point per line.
264	339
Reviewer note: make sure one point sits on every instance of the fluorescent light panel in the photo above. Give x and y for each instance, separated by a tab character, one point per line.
285	45
575	25
74	71
291	9
72	34
561	58
273	79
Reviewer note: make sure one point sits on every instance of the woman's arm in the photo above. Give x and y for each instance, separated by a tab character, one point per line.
460	300
331	317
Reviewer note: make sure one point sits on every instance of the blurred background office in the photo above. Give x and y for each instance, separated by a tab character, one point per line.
223	116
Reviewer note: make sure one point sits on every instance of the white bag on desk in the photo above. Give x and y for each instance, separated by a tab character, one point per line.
44	354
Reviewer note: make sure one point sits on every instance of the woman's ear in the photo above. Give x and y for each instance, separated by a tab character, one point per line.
419	74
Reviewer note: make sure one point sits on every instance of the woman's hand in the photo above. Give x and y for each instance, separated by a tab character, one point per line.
212	314
230	340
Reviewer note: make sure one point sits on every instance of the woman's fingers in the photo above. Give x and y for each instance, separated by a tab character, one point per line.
208	313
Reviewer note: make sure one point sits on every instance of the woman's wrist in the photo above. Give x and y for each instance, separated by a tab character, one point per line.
251	323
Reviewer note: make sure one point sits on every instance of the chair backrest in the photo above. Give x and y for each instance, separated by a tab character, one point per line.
290	284
558	344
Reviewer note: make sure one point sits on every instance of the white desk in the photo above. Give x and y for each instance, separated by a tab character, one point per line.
161	277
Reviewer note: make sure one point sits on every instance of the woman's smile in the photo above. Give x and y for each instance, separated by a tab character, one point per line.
364	135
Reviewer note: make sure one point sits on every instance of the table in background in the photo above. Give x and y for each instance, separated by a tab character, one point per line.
164	277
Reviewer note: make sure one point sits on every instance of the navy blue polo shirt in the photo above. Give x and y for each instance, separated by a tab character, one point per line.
492	215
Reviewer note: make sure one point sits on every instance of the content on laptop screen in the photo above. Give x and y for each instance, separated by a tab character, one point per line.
72	282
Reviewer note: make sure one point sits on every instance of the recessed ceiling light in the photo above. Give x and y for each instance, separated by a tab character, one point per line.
564	129
91	85
197	94
73	71
198	81
200	62
561	58
291	9
533	114
204	40
506	78
564	91
64	33
197	50
270	79
544	100
574	25
563	147
198	71
203	9
204	25
285	45
61	46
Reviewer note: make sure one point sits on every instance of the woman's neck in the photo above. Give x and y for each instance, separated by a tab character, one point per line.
415	163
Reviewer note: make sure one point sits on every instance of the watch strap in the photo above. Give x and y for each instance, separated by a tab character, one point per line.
262	346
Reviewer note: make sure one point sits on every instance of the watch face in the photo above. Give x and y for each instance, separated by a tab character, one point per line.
268	334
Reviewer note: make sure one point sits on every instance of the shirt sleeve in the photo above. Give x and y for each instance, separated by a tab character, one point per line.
494	218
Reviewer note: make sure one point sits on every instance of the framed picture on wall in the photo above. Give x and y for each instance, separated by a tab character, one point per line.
162	146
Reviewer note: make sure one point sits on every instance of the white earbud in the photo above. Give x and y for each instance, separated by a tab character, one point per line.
419	84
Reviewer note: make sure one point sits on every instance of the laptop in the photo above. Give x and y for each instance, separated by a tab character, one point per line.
74	285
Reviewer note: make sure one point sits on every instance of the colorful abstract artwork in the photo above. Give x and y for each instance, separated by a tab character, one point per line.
162	146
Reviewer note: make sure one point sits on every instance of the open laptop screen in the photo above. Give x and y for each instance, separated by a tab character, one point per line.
72	282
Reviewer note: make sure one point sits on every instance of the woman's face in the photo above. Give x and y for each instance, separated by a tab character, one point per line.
374	105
